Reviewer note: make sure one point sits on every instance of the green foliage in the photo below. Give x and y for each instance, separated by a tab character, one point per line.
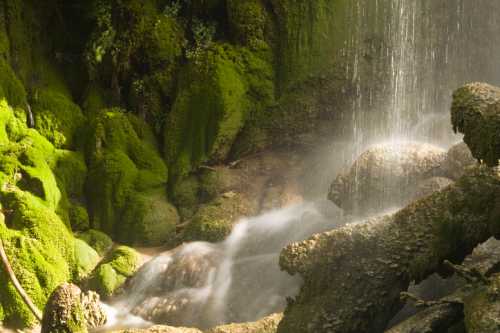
99	241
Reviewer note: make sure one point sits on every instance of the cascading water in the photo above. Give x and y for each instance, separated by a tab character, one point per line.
203	284
404	59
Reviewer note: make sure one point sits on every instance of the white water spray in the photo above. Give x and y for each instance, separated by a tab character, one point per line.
203	285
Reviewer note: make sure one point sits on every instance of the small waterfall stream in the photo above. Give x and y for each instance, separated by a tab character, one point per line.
405	58
202	284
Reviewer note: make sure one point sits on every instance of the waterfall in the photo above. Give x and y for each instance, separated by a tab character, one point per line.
406	58
403	58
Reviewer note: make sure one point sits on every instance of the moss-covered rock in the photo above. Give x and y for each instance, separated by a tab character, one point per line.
56	117
126	185
476	113
114	270
99	241
11	87
86	259
213	222
41	250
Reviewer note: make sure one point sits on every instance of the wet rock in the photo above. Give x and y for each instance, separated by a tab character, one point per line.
170	285
431	185
353	276
476	113
458	159
69	310
265	325
385	176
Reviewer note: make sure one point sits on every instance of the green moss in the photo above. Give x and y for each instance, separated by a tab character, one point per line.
10	87
213	222
126	185
158	219
247	20
209	110
56	117
41	252
86	259
105	280
99	241
78	218
310	36
184	195
164	44
120	264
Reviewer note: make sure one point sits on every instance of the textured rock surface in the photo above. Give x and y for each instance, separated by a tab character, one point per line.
265	325
458	158
68	310
476	113
373	262
385	176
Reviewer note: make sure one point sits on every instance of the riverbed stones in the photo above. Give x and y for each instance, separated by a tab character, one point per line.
385	176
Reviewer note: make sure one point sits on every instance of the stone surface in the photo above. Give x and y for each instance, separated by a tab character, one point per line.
385	176
476	113
68	310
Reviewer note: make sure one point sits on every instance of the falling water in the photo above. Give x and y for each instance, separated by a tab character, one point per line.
404	59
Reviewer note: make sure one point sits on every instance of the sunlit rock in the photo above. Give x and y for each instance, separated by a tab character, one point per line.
69	310
476	113
385	176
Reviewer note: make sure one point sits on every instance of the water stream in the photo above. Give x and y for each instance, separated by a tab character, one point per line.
405	59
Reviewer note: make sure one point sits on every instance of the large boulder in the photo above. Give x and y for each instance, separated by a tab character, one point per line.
120	264
476	113
69	310
385	176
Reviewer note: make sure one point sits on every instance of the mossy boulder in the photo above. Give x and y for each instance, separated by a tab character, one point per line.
475	112
216	93
56	117
41	251
126	185
114	270
98	240
214	221
86	259
38	242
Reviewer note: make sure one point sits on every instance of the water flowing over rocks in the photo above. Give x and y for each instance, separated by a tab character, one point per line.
238	280
385	176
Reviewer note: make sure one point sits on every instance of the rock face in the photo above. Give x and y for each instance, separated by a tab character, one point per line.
385	176
476	113
353	275
68	310
458	158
